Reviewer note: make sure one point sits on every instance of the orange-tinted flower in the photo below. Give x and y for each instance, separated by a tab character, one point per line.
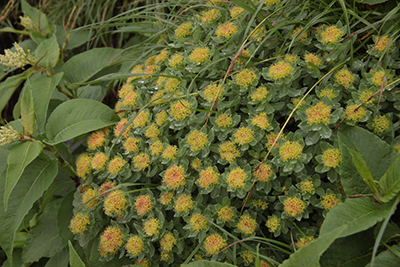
83	165
261	121
208	177
141	161
290	150
224	120
151	227
236	178
135	246
130	99
79	223
118	128
228	151
115	165
96	139
226	30
143	205
183	203
110	241
294	206
243	135
214	243
99	161
319	113
174	177
329	201
197	222
226	213
141	119
169	152
264	172
152	132
167	242
246	225
131	144
156	148
381	44
312	58
115	203
104	188
196	140
166	198
125	89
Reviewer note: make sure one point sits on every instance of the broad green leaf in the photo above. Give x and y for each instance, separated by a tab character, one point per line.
18	158
363	170
8	87
95	92
74	259
42	90
44	240
309	254
3	159
76	37
350	251
388	258
65	213
371	2
357	214
17	260
48	52
27	112
390	182
82	67
61	259
34	181
204	263
75	117
38	17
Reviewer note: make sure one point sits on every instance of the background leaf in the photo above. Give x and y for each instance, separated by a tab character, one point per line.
61	259
49	52
27	112
64	216
33	182
74	259
43	240
388	258
75	117
82	67
18	158
39	18
390	182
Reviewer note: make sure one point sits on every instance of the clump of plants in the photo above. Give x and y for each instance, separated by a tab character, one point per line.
227	138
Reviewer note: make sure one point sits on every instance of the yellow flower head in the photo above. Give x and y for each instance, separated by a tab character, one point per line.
228	151
271	137
135	246
264	172
397	147
110	241
197	222
115	203
90	198
150	61
224	120
381	43
152	132
199	55
161	117
131	144
156	148
121	124
183	203
380	124
166	198
331	35
236	12
271	2
273	223
245	78
312	58
196	140
259	34
143	204
236	178
247	257
302	37
183	30
379	77
141	161
170	152
167	242
143	262
290	150
291	58
175	60
355	112
294	206
174	177
330	93
331	157
79	223
304	241
209	16
115	165
344	77
261	121
157	97
211	91
141	119
97	139
104	188
244	53
180	110
259	94
83	165
171	84
280	70
196	164
306	186
367	96
329	201
319	113
259	204
246	225
214	243
18	59
243	135
152	69
151	227
226	30
162	56
130	99
138	69
226	213
208	177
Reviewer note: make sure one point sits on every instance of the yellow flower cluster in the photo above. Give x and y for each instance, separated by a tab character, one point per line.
259	94
199	55
344	77
18	59
208	177
224	120
380	124
290	150
226	30
111	240
236	178
196	140
143	205
79	223
183	203
302	37
264	172
355	112
319	113
197	222
331	35
226	213
135	245
183	30
306	186
115	203
211	91
280	70
273	223
329	201
228	151
245	78
247	225
243	135
261	121
151	227
331	157
214	243
312	58
294	206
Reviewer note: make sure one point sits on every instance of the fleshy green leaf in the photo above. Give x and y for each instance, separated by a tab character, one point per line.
8	87
27	112
82	67
19	157
390	182
49	52
75	117
74	259
42	90
43	240
34	181
371	2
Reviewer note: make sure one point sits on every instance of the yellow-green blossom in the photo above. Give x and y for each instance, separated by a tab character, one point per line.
18	59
